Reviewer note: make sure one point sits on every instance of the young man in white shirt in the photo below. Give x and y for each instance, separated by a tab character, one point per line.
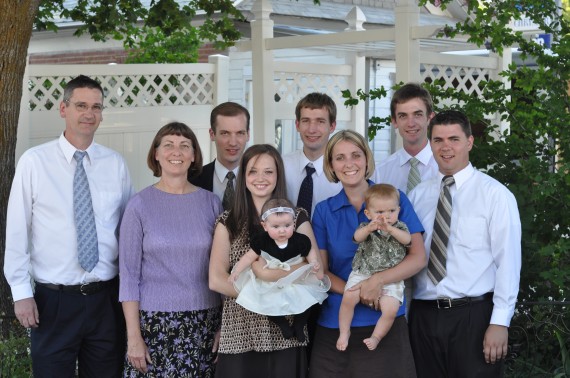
229	130
72	305
464	299
315	121
411	109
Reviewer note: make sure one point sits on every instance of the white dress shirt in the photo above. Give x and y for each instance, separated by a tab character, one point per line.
295	173
484	248
395	169
220	182
41	242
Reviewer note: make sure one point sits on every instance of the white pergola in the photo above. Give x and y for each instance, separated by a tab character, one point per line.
416	50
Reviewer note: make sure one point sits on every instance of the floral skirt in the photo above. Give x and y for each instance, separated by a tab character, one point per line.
179	343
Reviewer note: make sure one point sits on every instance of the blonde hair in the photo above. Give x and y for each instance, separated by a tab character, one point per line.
381	191
354	138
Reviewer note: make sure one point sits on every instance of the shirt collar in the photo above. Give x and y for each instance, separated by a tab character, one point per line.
222	171
340	200
423	156
460	177
69	149
317	164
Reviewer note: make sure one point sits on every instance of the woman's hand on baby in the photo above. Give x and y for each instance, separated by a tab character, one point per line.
232	278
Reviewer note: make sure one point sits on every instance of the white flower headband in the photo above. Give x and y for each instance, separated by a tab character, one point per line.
277	210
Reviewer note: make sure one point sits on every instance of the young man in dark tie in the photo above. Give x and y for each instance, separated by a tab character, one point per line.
315	120
229	130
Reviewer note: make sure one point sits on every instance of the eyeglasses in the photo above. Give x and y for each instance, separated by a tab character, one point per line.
83	107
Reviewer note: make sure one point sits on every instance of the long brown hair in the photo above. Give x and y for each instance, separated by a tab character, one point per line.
243	211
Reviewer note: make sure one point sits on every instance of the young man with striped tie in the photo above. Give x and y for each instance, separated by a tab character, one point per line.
464	299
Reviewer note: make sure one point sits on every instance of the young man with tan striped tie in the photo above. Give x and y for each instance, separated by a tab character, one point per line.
465	297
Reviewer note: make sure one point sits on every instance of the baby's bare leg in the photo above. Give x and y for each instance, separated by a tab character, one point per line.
349	300
389	306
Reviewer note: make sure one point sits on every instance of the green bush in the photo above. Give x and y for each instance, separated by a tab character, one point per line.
15	359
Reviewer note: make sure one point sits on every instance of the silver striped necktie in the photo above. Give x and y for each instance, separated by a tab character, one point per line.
438	254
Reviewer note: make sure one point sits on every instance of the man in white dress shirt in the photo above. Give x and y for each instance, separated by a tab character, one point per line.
71	306
411	109
459	317
315	120
229	130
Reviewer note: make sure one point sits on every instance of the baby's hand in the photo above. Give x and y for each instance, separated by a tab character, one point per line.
373	226
382	225
316	266
317	270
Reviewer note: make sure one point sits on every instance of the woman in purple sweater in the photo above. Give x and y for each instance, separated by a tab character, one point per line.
166	235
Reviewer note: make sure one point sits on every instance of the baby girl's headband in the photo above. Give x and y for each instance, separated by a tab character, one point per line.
277	210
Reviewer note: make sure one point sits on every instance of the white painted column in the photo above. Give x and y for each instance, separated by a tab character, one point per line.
263	120
221	91
221	75
355	18
358	113
503	63
407	14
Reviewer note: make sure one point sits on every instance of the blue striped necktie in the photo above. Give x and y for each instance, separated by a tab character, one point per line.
87	245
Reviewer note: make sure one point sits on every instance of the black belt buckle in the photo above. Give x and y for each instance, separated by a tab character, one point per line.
443	303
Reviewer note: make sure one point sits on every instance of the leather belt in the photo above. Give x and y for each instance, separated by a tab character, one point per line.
444	303
85	289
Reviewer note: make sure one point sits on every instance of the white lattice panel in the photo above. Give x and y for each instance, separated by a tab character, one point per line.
464	79
291	87
125	91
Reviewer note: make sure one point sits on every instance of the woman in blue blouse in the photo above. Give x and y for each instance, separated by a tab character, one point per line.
348	160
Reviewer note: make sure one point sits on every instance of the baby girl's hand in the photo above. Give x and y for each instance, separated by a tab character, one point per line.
317	270
316	266
232	278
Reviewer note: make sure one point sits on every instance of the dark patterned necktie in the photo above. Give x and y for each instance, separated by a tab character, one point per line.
438	254
229	192
87	245
305	199
414	175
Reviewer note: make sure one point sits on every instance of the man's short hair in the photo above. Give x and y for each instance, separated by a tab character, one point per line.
228	109
451	117
408	92
316	100
80	81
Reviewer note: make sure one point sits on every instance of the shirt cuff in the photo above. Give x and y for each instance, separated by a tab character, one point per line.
22	291
501	317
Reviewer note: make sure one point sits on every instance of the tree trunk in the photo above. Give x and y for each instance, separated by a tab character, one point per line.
15	33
